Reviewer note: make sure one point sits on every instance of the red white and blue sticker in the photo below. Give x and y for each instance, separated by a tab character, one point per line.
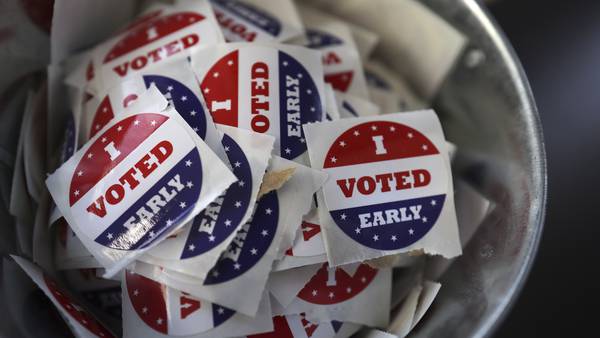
81	321
198	248
168	33
152	309
342	64
297	326
356	293
272	89
139	178
388	181
247	22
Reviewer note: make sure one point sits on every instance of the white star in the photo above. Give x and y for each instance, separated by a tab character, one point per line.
136	122
373	128
285	63
84	321
363	279
184	98
189	184
314	293
312	109
236	266
308	91
226	149
333	159
144	310
356	133
268	211
216	74
357	230
159	321
287	150
264	233
241	183
169	222
215	273
302	140
76	193
227	222
103	139
193	113
410	135
230	63
153	83
98	127
331	295
424	219
188	163
424	147
348	290
211	238
206	90
153	123
191	247
342	144
220	310
104	110
152	234
136	292
169	88
253	251
90	155
375	238
238	204
392	128
343	216
433	202
299	75
411	231
80	173
237	164
182	205
393	238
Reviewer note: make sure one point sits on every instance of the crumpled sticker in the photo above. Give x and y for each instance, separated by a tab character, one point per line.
390	92
389	188
342	63
143	176
354	106
80	321
196	249
151	309
308	247
272	89
285	285
240	276
176	81
297	326
355	293
257	21
162	33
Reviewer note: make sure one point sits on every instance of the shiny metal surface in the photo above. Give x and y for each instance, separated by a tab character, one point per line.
487	109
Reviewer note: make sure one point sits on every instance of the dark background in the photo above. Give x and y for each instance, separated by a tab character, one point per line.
558	43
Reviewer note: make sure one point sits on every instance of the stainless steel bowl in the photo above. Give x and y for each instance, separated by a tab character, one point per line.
488	111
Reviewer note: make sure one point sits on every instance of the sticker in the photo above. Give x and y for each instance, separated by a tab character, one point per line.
297	326
389	188
240	276
197	248
390	92
342	64
308	247
102	294
356	293
81	321
167	33
144	175
176	81
285	285
151	309
353	106
272	89
252	21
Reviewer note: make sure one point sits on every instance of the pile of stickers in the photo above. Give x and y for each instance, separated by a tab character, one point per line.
237	168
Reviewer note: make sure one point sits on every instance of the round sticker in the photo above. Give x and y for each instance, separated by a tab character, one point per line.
277	89
136	180
335	285
387	184
215	223
170	311
75	311
250	244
